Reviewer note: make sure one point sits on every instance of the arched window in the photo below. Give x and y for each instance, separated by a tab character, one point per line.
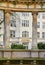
25	34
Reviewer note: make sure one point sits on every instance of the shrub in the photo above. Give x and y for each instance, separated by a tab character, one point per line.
17	46
41	45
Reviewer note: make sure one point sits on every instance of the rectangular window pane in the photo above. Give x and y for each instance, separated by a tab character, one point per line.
25	14
25	23
43	24
12	34
13	23
38	34
43	15
43	34
38	24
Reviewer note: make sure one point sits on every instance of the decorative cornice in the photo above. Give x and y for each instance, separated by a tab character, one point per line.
23	9
22	1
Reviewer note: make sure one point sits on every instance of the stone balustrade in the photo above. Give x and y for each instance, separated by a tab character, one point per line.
22	53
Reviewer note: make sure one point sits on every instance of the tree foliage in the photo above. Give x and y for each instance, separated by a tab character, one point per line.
41	45
17	46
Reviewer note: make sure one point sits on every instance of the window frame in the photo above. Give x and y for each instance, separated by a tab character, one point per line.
25	34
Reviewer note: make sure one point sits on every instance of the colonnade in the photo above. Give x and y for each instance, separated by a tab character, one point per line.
7	29
9	6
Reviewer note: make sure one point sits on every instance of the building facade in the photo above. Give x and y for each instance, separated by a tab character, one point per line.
21	28
21	22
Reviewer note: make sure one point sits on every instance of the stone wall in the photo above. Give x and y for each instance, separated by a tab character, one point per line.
21	53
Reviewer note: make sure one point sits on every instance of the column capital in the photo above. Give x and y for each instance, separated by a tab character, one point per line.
7	11
34	12
7	16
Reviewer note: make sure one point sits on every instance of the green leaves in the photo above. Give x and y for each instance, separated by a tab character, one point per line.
17	46
41	45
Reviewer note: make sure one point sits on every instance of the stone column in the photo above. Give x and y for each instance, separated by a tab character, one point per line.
7	28
34	30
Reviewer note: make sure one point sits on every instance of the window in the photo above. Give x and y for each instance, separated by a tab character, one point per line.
43	24
13	23
1	15
25	23
25	34
38	15
43	34
38	34
25	13
12	33
43	15
2	26
38	24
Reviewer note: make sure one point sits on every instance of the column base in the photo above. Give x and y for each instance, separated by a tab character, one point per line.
34	48
7	47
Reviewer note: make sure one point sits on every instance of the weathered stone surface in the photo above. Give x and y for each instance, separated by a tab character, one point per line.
7	54
42	54
34	30
7	29
20	54
34	54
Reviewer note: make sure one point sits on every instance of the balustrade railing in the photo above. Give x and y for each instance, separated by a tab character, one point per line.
22	53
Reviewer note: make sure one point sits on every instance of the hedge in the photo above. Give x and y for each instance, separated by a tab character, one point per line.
18	46
41	45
